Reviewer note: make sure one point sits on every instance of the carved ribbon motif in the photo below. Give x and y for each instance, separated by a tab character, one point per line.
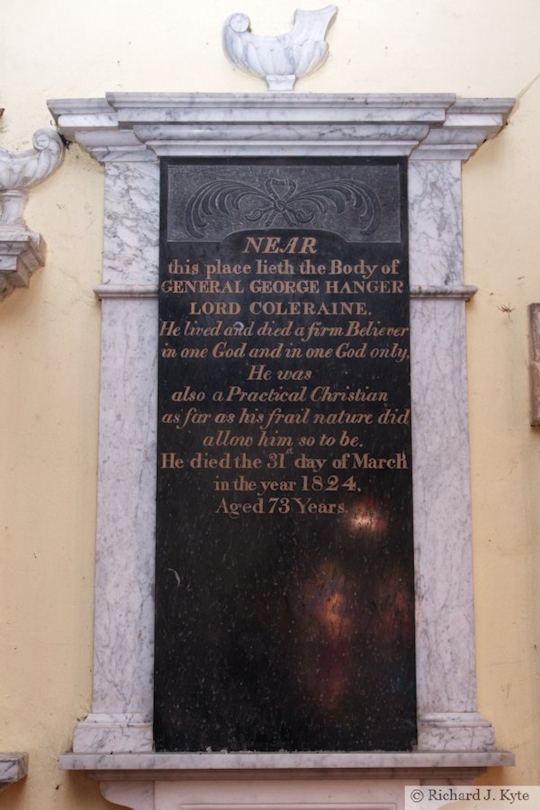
283	199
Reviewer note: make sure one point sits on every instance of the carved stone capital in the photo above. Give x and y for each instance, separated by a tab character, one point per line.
21	250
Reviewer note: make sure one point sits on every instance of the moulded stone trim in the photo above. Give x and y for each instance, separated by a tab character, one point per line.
13	768
461	292
144	126
128	291
295	765
20	255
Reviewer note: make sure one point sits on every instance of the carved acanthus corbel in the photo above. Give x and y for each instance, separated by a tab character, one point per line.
21	250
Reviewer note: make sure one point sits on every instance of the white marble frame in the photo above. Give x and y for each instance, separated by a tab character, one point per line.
128	133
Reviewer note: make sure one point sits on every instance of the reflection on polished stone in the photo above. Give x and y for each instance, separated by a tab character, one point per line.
284	573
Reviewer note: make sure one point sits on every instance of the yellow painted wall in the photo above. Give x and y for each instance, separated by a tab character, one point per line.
502	250
49	333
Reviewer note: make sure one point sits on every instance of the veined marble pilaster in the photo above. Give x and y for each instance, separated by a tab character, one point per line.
445	672
446	677
121	718
436	238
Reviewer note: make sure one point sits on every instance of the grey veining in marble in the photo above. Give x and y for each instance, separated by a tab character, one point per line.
128	132
13	768
445	672
124	609
300	761
20	171
141	126
436	252
131	223
123	636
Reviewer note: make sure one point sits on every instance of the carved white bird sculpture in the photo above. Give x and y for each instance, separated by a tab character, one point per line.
281	59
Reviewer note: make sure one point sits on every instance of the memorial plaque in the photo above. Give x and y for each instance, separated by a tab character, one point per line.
284	573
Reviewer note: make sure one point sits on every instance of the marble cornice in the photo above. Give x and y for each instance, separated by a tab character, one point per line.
147	126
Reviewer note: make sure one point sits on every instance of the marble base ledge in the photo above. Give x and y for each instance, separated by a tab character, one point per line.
153	767
13	768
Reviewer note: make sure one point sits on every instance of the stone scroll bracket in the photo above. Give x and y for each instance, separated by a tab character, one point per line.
129	133
21	250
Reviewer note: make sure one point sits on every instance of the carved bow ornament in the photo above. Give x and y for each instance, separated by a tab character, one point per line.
283	199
